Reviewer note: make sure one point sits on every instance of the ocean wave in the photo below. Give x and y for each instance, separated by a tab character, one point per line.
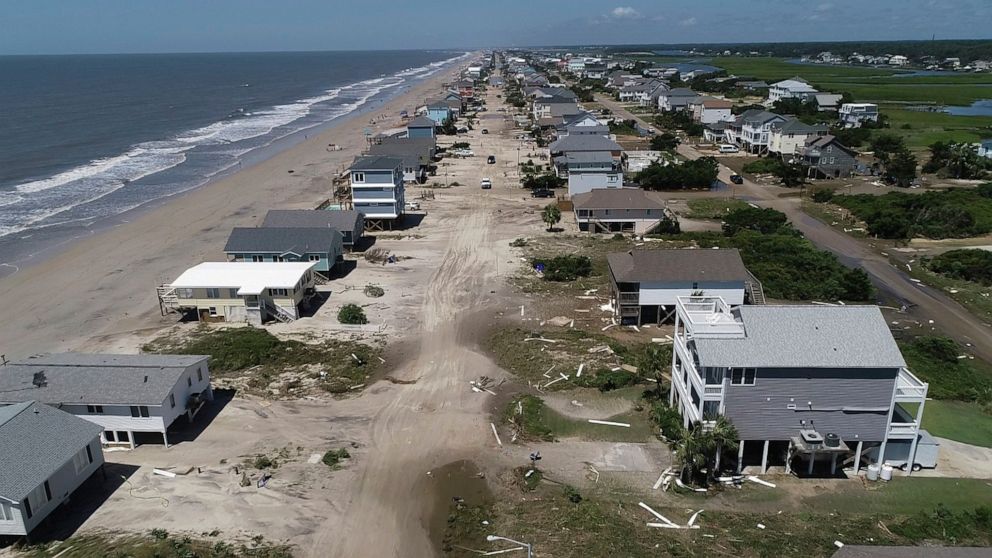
37	202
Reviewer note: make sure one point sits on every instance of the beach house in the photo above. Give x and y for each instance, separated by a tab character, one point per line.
618	210
126	395
826	157
377	190
676	99
252	292
45	455
645	284
349	223
709	110
323	247
807	387
590	170
854	115
752	129
789	137
795	88
420	127
416	153
439	112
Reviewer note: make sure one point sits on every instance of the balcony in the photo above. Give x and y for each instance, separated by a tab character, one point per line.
903	429
629	298
909	388
707	316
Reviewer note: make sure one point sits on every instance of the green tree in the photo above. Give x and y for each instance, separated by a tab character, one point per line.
666	141
696	449
901	168
885	145
791	175
551	215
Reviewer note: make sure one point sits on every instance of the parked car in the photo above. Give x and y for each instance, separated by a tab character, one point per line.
485	130
413	205
487	183
542	193
491	160
737	179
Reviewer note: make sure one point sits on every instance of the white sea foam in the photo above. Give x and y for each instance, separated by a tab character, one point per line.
37	202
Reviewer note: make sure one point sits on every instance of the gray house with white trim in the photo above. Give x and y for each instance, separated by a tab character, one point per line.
123	394
349	223
45	455
814	386
323	246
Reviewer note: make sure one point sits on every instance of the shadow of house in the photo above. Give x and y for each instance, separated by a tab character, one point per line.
86	500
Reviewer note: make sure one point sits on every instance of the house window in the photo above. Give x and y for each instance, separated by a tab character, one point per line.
257	258
172	400
742	376
94	409
89	454
199	374
278	259
48	492
189	381
184	293
710	409
213	311
358	177
213	293
277	292
139	411
232	293
27	508
6	513
314	257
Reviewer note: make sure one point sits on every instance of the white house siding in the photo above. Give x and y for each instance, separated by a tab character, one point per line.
582	182
665	294
62	484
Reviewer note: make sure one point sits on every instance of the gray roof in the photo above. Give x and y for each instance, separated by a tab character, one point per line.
36	441
681	92
421	122
805	337
412	151
616	198
312	218
589	157
376	163
584	143
677	265
283	240
796	126
823	141
95	379
860	551
759	116
564	109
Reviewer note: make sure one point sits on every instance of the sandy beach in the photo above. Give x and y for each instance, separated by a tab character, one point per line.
102	288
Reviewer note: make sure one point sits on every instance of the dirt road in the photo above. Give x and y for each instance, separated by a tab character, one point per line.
925	303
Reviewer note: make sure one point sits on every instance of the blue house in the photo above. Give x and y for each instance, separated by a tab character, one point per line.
420	127
439	112
377	189
323	246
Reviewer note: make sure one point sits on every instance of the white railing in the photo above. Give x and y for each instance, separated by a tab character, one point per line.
903	429
708	315
909	387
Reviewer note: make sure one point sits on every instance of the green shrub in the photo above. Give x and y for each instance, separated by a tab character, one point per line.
605	379
935	361
264	462
967	264
530	420
954	213
823	195
766	165
565	268
333	458
762	220
352	314
374	291
668	419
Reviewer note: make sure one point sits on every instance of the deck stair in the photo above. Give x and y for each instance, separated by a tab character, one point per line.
168	299
278	312
319	279
756	293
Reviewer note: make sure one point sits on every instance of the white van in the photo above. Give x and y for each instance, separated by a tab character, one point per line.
728	148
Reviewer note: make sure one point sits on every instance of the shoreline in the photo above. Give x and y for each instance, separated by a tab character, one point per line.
56	239
105	281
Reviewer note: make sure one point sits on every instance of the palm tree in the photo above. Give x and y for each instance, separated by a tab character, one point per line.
697	446
551	215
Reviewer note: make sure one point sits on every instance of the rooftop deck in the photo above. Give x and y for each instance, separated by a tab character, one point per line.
708	316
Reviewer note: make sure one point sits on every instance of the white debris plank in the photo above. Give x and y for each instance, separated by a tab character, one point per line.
656	514
164	473
609	423
579	373
753	478
496	434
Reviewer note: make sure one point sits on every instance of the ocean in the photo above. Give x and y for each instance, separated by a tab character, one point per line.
86	138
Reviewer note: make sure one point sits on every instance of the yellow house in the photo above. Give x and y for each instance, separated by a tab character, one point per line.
252	292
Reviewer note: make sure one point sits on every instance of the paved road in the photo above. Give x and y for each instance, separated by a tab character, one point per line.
925	303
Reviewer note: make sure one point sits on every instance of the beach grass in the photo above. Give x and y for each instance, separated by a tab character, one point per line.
712	208
958	421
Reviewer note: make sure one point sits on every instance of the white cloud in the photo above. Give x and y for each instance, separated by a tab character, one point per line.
688	22
625	12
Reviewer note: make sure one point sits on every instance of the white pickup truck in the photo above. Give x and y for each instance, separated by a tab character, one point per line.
487	183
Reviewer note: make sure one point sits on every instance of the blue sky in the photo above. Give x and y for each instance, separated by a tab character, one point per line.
101	26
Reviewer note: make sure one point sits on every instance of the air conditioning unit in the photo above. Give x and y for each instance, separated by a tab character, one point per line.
831	440
811	437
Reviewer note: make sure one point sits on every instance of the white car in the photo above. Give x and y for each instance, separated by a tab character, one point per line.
487	183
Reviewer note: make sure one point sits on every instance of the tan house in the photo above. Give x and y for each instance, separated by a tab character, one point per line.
252	292
619	210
